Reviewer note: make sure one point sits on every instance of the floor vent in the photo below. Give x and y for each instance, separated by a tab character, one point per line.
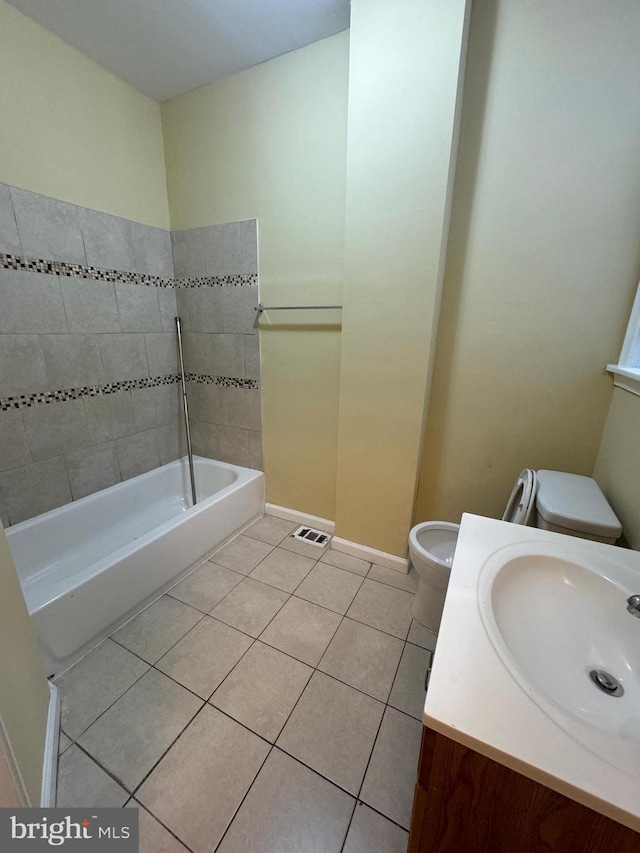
313	537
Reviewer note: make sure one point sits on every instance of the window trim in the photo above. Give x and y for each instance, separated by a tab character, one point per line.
626	375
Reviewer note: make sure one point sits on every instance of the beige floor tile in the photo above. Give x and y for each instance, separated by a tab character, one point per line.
152	633
270	529
205	587
199	784
250	606
391	776
81	783
305	549
153	837
133	734
370	832
262	690
383	607
421	636
64	743
95	683
289	809
332	730
205	656
408	582
346	562
408	691
329	587
302	629
242	554
363	657
283	569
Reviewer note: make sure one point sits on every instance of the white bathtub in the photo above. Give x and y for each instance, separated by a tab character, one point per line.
88	566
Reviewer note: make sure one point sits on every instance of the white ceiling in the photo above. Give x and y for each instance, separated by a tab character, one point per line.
166	47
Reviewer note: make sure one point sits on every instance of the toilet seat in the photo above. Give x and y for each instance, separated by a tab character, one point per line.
522	499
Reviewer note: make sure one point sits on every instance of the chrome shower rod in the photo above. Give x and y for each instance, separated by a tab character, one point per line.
262	307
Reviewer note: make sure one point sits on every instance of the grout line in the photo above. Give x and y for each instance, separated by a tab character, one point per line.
156	818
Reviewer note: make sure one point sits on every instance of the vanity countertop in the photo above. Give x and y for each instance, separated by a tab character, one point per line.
474	700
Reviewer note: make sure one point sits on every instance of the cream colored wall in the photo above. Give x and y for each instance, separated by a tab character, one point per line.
543	256
617	467
270	143
403	83
73	131
24	693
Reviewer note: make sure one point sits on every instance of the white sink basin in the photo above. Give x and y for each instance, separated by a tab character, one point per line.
556	612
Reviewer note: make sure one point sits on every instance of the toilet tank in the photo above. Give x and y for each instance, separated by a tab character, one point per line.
574	505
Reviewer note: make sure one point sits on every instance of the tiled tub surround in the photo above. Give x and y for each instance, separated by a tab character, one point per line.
221	339
270	701
88	357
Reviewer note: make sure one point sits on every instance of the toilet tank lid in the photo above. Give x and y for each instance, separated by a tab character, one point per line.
576	502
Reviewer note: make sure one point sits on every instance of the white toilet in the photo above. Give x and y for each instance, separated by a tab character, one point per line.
551	500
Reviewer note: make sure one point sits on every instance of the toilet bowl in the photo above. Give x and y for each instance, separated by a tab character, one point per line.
566	503
432	546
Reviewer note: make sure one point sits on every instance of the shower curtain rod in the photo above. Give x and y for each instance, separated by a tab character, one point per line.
262	307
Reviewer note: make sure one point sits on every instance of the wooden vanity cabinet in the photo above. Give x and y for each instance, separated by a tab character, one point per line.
466	803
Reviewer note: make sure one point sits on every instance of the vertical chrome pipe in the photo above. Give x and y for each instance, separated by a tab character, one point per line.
186	412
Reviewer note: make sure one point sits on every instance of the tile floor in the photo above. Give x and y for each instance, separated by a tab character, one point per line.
270	701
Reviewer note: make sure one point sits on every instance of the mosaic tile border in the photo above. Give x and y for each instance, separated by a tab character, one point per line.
228	382
61	268
26	401
248	280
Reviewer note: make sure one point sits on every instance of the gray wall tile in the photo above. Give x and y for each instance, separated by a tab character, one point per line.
48	228
171	441
152	250
9	239
138	307
107	240
189	249
90	305
72	361
124	357
109	416
255	451
252	357
207	403
206	309
239	309
35	488
22	367
244	408
31	303
204	439
92	469
162	353
55	429
168	308
233	445
223	249
14	449
227	355
137	454
197	352
183	307
248	246
156	406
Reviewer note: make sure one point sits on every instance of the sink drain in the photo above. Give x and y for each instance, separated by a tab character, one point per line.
606	682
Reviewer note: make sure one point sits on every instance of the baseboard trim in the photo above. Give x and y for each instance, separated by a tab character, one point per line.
300	517
389	561
50	760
